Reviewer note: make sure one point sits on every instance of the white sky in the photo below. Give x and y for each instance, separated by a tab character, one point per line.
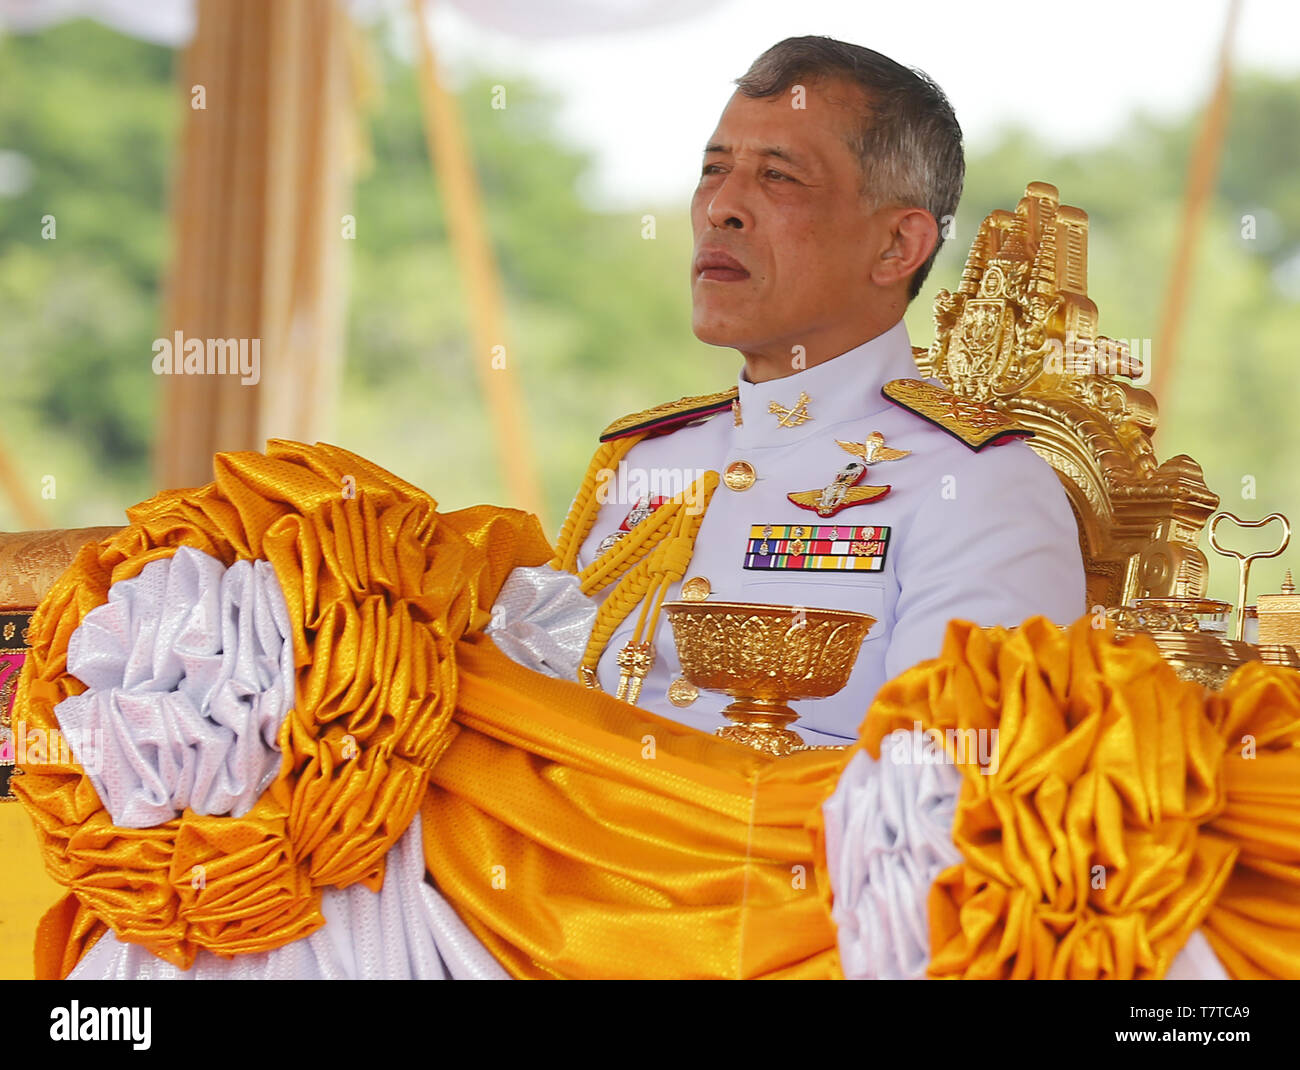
1072	73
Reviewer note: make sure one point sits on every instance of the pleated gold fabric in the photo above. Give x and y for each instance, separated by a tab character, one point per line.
379	588
1254	925
579	836
1111	825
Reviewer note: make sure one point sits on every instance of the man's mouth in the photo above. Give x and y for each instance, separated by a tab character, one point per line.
714	265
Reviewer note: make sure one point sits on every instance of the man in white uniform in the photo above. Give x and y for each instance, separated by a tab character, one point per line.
816	221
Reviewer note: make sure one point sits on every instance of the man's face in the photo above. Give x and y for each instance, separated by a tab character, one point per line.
780	193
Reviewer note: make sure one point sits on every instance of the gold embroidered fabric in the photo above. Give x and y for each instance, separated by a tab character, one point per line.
579	836
30	561
1254	925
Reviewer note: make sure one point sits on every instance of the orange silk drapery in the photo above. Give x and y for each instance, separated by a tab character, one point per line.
694	850
579	836
1121	814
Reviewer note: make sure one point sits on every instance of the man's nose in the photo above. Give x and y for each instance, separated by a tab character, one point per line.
728	207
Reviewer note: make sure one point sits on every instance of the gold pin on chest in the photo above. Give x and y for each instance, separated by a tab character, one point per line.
873	450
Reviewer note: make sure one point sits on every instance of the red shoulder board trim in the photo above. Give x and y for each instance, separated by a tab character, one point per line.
670	415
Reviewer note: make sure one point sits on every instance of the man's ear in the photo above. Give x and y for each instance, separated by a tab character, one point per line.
912	234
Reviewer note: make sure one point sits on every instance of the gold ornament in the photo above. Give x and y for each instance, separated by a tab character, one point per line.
873	450
696	589
793	416
740	475
765	657
681	692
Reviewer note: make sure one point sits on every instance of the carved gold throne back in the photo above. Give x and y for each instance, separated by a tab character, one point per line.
1021	333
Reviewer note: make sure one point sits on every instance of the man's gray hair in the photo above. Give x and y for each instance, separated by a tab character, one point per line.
908	144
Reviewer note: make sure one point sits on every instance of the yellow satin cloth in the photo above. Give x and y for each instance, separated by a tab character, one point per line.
1121	815
578	836
379	588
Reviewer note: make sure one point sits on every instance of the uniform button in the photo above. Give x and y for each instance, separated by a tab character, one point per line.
696	589
681	692
739	475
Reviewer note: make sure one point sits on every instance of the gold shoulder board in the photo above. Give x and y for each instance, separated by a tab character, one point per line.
976	423
670	415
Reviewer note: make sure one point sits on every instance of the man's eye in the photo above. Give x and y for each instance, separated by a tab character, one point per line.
778	174
710	168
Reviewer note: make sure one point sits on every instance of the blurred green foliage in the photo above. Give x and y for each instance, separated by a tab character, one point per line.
599	316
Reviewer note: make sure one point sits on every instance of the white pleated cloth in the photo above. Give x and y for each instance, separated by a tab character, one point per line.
888	835
189	671
542	620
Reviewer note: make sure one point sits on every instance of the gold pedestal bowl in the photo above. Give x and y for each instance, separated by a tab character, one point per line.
766	657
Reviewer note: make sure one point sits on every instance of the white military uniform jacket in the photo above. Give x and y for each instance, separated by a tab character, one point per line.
984	536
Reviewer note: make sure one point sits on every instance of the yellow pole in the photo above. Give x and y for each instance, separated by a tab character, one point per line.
1202	171
469	239
30	513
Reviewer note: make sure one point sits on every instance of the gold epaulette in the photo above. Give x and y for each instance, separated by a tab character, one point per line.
976	423
670	415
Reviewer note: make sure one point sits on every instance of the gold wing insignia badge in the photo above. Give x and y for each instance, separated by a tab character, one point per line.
830	500
873	450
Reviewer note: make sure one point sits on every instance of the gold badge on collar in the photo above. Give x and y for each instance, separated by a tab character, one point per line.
794	415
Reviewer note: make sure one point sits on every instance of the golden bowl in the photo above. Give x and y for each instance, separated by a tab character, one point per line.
764	657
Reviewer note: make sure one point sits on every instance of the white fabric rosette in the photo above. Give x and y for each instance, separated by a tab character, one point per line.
888	835
189	671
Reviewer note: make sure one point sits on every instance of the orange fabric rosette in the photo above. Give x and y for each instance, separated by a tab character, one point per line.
578	836
379	588
1115	821
1254	925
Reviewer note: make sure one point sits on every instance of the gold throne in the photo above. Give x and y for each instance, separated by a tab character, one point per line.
1020	333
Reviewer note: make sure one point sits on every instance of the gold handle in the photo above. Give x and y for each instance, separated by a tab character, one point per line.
1244	560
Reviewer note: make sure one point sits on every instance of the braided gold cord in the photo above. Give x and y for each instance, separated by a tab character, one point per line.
618	604
658	570
629	550
582	514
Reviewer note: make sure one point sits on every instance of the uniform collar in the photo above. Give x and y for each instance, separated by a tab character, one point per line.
843	388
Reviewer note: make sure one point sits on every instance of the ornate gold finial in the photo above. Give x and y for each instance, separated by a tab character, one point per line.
1020	334
1288	584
